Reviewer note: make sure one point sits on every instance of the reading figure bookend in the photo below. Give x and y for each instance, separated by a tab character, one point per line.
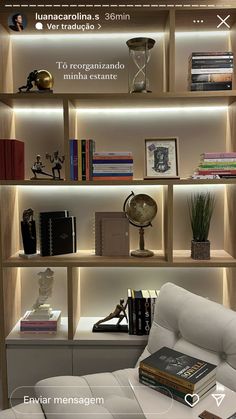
37	168
42	79
120	314
57	162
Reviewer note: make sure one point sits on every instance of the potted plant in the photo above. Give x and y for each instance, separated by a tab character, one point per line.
201	208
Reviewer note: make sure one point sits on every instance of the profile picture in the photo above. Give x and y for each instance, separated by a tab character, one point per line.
17	22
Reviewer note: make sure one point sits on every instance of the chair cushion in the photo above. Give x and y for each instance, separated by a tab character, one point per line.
196	326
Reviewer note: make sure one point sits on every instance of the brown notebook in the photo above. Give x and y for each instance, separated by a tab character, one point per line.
115	237
98	227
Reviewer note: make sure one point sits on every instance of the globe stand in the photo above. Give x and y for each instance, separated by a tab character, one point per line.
142	252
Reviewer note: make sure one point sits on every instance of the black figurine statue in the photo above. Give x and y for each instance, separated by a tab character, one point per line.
57	164
42	79
30	80
28	231
37	168
120	314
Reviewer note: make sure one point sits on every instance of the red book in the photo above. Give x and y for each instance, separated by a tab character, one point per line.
2	160
217	172
14	159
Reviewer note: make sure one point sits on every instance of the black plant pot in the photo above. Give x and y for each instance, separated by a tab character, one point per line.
200	250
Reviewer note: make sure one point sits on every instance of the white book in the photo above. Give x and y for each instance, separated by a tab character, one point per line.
112	153
212	71
213	57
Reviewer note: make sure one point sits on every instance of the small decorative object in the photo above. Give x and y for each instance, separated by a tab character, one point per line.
57	164
120	314
37	168
161	158
140	54
28	231
140	210
201	208
40	309
42	79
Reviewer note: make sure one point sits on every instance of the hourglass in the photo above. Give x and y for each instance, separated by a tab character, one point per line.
140	54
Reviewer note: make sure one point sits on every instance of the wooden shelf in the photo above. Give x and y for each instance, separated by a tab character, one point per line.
15	337
85	336
181	258
219	258
183	98
141	182
86	259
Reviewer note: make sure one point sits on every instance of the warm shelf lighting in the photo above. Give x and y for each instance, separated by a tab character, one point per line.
90	36
201	34
38	110
172	109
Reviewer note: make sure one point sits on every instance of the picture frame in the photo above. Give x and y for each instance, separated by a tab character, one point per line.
161	158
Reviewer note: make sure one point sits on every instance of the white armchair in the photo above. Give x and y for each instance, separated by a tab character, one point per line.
183	321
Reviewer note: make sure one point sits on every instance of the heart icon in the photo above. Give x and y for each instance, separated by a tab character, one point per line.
189	399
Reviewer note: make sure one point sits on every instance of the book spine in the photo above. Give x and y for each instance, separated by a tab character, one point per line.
146	315
83	157
223	155
134	315
212	64
114	161
112	154
212	71
75	160
2	160
218	166
104	178
164	391
211	86
71	160
211	78
110	174
217	171
212	53
226	160
157	380
167	376
79	160
91	151
39	331
87	160
130	309
172	390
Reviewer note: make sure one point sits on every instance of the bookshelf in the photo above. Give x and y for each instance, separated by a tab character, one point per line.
87	286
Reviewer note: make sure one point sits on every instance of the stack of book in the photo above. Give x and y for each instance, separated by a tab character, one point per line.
40	325
113	166
81	159
222	165
12	159
178	375
111	234
211	71
141	306
57	233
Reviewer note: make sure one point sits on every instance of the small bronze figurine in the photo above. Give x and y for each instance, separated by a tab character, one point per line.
37	168
120	314
57	161
42	79
28	231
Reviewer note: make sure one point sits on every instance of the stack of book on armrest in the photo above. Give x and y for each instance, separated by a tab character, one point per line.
176	375
28	325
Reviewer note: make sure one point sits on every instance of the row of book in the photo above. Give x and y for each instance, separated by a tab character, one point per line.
141	306
222	165
12	159
211	71
37	325
57	233
111	234
81	159
177	375
113	166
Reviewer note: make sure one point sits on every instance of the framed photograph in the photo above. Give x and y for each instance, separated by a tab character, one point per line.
161	158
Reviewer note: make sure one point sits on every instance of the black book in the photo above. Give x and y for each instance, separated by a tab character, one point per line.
130	312
179	368
212	65
62	235
211	86
83	158
44	218
211	78
212	53
212	61
139	312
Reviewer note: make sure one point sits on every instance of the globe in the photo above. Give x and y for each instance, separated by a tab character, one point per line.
140	210
44	80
